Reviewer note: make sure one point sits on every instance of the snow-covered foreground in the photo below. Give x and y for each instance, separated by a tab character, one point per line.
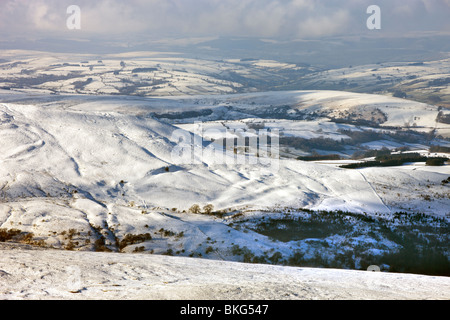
52	274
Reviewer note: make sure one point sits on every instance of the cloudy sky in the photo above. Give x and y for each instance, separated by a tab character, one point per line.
190	18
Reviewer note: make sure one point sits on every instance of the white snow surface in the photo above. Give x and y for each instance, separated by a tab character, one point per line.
92	145
53	274
89	164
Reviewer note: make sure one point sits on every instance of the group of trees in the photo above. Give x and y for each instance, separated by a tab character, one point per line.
318	157
396	134
371	153
436	161
309	145
443	118
355	138
208	209
389	160
439	149
439	82
81	84
144	70
399	94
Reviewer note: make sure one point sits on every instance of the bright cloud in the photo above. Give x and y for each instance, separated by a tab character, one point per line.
263	18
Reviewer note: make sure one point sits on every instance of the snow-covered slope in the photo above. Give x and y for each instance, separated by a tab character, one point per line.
98	173
334	104
84	275
49	150
420	81
114	153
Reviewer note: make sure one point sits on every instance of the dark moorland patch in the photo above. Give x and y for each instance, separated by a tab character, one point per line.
390	160
419	242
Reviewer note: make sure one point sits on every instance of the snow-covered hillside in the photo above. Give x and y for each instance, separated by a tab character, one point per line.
420	81
99	173
139	73
331	104
173	74
116	152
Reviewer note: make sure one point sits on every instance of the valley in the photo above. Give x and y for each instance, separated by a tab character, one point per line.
157	155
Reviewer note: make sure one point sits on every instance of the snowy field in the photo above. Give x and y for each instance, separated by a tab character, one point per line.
137	73
421	81
172	74
88	173
51	274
